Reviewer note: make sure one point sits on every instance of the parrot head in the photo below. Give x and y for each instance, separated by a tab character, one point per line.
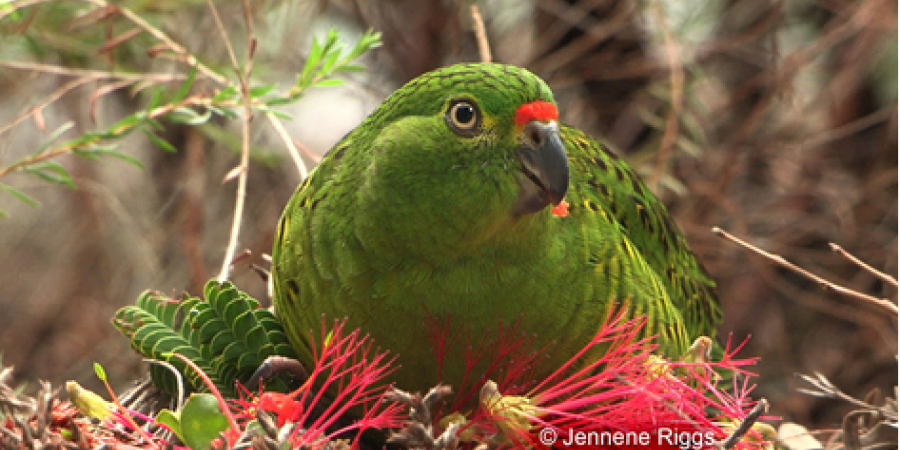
459	157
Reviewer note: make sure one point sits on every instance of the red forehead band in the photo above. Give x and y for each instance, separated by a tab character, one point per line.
536	110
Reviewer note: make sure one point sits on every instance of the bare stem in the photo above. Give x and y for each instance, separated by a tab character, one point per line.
56	95
676	81
186	56
289	143
121	130
84	77
243	167
484	49
883	276
882	303
761	406
95	74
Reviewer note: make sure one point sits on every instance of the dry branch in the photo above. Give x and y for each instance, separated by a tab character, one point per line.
882	303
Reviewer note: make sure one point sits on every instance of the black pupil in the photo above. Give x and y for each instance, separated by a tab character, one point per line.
464	114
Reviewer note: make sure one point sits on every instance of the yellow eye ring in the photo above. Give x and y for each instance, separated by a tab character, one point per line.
463	117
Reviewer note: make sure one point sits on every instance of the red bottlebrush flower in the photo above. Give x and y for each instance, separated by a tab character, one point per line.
629	398
347	367
282	406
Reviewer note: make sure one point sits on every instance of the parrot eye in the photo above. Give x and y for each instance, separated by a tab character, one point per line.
463	117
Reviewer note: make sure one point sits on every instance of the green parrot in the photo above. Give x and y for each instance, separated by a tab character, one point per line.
441	204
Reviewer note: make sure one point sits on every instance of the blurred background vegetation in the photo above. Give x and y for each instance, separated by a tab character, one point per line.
774	120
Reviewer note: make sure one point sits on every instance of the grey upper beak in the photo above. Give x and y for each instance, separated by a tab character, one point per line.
545	166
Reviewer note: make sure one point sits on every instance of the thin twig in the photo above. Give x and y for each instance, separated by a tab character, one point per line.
188	58
137	20
95	74
883	276
56	95
289	143
168	42
827	389
761	406
220	27
850	128
484	49
676	80
115	132
179	380
306	151
880	302
244	77
85	77
596	31
788	67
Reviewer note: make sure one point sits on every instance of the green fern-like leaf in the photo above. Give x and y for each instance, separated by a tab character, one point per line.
151	326
228	335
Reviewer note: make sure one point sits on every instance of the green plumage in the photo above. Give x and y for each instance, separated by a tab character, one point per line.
413	214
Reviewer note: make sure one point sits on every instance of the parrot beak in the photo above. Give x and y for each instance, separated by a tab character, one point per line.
544	165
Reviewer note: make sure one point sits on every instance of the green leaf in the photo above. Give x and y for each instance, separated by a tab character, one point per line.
331	43
311	63
276	113
96	151
369	41
278	101
188	116
155	124
124	126
151	327
224	112
229	335
352	68
259	91
101	374
330	61
54	136
328	58
50	171
155	101
160	142
186	86
20	195
228	92
202	421
329	82
171	419
13	13
84	139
